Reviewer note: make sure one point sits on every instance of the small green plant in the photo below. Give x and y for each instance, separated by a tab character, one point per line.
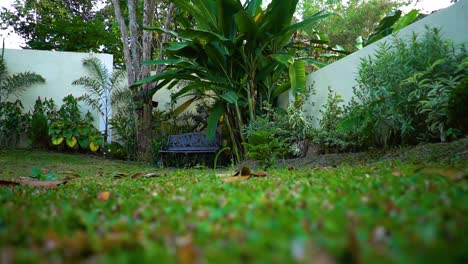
41	117
101	88
39	175
73	130
263	146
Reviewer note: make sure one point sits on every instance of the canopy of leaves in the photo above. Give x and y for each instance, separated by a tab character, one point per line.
352	18
64	25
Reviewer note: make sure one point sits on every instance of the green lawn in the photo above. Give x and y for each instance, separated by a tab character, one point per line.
388	211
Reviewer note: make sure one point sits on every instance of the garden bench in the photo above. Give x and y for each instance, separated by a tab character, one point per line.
191	143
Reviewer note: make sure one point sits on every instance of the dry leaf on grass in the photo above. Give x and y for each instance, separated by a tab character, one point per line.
148	175
104	196
452	173
396	172
241	175
186	252
259	174
120	175
235	179
26	181
8	183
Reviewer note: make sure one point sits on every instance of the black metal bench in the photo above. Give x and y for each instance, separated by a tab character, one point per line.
191	143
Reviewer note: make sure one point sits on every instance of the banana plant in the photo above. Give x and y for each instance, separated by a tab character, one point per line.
238	54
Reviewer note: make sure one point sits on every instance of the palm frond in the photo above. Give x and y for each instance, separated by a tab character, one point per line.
94	103
17	83
98	70
91	85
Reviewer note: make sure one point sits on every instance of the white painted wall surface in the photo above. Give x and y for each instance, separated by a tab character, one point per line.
59	69
341	75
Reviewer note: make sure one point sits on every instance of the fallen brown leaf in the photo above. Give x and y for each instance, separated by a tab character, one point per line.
396	172
186	252
120	175
235	179
45	184
104	196
149	175
8	183
137	175
260	174
452	173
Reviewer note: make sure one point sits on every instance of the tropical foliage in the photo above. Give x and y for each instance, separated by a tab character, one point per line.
72	130
352	21
405	95
64	25
239	55
103	89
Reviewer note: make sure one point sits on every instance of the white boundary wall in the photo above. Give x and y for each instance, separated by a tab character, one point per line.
59	70
340	76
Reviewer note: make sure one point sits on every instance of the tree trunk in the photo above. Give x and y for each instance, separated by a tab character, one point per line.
144	121
137	46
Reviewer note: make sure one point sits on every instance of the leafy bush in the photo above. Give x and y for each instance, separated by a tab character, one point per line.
458	107
123	128
263	145
73	130
336	132
43	114
12	123
404	90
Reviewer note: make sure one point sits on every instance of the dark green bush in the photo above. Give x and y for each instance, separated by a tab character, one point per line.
12	123
458	107
42	116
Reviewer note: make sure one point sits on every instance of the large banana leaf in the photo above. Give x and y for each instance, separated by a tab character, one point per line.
213	120
297	76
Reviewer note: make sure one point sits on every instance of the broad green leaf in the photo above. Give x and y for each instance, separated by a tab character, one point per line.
297	76
215	115
181	108
57	140
71	142
281	89
230	97
316	63
285	59
50	177
406	20
36	172
175	46
204	35
93	146
84	142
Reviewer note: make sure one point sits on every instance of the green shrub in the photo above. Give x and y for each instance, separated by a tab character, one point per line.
42	116
404	89
72	131
12	123
337	127
458	107
263	145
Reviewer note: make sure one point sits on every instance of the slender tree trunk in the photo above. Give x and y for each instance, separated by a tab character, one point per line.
137	46
124	38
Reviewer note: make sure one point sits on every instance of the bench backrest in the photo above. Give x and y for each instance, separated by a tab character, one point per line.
193	142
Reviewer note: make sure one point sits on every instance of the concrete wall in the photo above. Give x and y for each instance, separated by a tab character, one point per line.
59	69
340	76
